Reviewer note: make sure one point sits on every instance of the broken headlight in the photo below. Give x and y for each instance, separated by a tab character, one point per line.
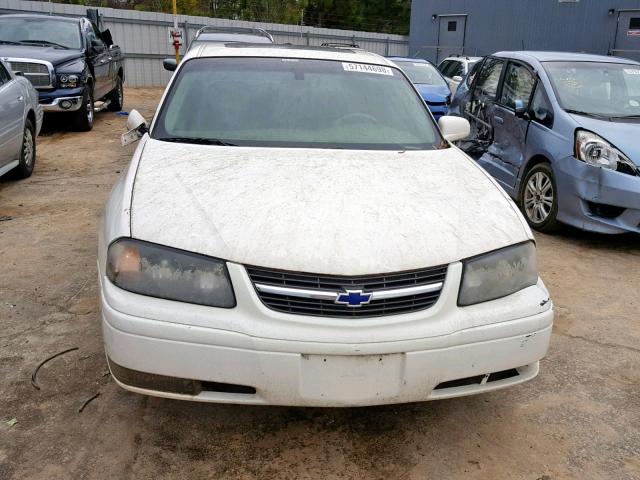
169	273
596	151
498	274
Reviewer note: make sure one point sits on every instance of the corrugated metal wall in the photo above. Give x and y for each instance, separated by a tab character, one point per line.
144	36
493	25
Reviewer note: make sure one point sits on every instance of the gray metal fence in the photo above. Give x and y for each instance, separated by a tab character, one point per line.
144	36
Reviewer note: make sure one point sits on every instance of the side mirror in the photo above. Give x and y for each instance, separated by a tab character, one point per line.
519	109
170	64
136	126
457	78
97	45
454	128
18	74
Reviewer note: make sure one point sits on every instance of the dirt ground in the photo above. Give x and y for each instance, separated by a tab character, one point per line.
579	419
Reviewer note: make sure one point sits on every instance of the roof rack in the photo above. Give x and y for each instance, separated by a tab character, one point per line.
339	45
240	30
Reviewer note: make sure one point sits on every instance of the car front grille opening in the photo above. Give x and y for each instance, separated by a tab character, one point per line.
604	210
163	383
478	379
297	305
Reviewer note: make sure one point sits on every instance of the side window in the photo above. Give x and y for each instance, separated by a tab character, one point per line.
488	79
472	73
93	36
541	110
4	75
518	85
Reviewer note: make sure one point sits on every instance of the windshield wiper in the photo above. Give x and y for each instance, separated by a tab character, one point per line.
9	42
625	116
197	141
44	43
587	114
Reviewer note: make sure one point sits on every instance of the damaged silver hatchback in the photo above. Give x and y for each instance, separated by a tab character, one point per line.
559	132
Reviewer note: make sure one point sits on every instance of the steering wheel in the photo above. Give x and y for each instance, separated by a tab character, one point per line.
357	117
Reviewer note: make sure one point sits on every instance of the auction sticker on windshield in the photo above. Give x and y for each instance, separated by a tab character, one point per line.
364	68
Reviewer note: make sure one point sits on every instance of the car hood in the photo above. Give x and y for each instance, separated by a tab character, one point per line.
321	211
56	56
624	135
433	93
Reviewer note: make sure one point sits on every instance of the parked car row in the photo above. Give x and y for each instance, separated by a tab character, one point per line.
53	64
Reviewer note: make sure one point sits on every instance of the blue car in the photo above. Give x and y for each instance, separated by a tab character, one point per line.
559	132
429	82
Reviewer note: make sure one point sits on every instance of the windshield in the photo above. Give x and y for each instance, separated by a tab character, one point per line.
422	73
606	89
40	31
289	102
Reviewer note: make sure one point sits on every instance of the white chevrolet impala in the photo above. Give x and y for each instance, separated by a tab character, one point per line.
295	229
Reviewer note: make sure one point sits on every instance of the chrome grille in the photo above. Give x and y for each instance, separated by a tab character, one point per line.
37	73
402	285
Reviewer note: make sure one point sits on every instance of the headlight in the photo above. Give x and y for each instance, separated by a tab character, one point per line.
68	81
164	272
498	274
596	151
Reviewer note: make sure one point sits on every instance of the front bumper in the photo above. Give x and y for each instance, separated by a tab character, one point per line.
311	361
52	101
597	199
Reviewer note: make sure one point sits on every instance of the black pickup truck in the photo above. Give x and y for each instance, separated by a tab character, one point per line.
74	66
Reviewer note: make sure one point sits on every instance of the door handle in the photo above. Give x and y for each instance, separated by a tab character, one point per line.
498	119
20	98
109	58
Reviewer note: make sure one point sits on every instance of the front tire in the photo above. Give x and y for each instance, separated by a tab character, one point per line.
116	97
539	199
83	117
27	153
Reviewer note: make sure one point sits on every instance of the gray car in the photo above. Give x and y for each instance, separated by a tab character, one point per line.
20	122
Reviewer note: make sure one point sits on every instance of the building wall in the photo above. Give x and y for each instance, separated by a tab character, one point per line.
144	36
494	25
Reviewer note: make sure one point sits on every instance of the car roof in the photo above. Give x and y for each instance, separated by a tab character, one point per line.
40	15
562	57
287	51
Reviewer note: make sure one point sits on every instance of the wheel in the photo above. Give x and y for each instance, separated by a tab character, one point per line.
116	96
28	152
83	117
539	199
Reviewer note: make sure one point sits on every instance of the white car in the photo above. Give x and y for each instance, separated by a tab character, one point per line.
20	123
294	229
455	68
